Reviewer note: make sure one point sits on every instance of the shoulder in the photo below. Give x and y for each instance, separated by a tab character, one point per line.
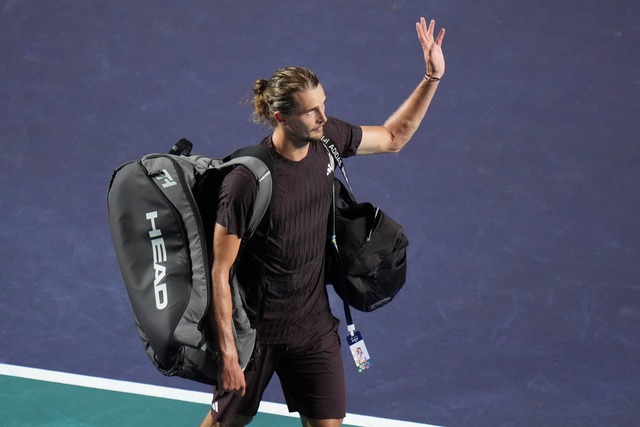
346	135
339	129
239	180
241	173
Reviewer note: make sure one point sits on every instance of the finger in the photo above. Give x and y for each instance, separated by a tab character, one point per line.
440	37
423	35
432	25
421	28
218	393
242	389
423	23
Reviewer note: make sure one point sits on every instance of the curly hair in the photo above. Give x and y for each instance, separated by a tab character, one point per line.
276	94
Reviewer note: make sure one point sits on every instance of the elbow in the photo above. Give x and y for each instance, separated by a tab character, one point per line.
398	136
396	144
396	148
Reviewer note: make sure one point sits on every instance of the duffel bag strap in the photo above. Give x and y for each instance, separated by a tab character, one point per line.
335	153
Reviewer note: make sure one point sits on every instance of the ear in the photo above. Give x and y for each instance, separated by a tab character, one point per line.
279	117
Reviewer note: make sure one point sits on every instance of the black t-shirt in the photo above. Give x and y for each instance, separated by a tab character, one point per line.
296	303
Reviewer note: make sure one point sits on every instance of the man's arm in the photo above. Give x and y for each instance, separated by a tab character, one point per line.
225	251
402	124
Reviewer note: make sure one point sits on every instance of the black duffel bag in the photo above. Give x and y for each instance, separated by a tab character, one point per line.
367	253
372	253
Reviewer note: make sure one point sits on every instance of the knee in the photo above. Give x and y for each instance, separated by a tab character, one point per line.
208	421
308	422
235	421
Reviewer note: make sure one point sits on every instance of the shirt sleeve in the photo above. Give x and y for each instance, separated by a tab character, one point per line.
345	135
236	199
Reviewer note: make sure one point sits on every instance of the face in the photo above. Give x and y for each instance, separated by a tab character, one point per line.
305	123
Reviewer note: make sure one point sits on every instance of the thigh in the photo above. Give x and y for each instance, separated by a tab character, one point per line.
312	378
257	376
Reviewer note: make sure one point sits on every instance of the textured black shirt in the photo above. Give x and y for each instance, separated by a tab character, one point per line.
296	303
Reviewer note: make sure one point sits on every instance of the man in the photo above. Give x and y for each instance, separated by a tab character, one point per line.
297	332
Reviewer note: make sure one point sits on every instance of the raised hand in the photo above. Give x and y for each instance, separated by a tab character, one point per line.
432	48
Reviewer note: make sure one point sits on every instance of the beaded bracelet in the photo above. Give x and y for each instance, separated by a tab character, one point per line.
428	77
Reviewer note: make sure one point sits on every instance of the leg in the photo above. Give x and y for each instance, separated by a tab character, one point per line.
232	410
234	421
312	379
307	422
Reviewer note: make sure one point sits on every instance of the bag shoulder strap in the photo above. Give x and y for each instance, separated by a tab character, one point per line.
260	162
256	158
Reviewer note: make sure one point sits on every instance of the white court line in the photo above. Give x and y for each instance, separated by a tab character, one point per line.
176	394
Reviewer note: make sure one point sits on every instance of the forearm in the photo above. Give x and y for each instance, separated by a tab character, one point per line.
401	125
225	250
405	121
221	316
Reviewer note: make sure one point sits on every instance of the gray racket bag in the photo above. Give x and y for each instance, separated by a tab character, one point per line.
162	211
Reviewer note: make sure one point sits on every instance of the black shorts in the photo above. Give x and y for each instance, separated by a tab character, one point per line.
311	376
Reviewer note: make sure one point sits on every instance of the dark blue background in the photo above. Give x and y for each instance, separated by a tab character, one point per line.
520	192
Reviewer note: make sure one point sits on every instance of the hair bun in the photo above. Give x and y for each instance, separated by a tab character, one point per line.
259	86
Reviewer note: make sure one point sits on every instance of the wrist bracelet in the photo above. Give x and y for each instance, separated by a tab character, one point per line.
428	77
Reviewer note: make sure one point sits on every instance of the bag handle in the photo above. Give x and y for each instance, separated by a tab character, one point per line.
183	146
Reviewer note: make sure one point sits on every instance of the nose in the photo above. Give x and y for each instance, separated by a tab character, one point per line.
322	119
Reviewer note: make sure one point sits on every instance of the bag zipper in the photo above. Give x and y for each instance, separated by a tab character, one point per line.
375	220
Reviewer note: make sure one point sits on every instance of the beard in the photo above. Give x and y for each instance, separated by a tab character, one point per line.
315	135
310	137
314	139
302	132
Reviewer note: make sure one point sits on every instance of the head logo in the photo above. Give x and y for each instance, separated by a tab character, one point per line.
167	178
159	258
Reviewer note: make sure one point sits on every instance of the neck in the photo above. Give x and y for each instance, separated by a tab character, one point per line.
290	149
